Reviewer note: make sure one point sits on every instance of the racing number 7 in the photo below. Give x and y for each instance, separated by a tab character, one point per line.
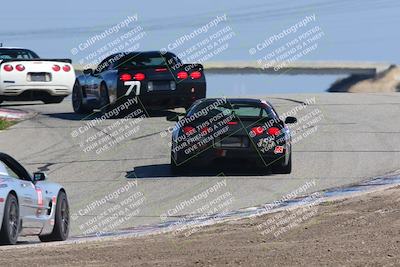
131	85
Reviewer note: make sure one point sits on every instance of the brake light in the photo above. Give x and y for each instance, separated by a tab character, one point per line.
274	131
8	67
20	67
125	77
66	68
188	129
232	123
257	130
139	76
205	130
182	75
56	68
195	75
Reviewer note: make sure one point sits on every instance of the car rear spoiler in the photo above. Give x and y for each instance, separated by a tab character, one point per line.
194	66
65	60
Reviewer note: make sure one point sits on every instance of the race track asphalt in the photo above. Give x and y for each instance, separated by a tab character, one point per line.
357	138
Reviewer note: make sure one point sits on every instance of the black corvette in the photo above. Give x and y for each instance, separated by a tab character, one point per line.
242	129
158	80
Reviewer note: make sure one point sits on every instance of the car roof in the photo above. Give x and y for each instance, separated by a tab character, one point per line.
253	101
145	53
4	155
150	53
235	100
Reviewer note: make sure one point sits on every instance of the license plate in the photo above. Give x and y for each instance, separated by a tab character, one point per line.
161	86
38	77
233	141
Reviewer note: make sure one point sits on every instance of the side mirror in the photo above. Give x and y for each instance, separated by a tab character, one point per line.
88	72
290	120
172	117
39	176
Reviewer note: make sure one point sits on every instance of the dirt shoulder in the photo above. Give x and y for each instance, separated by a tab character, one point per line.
361	231
384	82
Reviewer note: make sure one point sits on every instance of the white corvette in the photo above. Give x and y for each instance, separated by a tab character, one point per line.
30	205
25	77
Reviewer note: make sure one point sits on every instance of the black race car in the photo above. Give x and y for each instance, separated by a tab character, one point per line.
158	80
245	129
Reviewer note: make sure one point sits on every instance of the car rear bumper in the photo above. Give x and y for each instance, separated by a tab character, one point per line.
170	101
183	96
248	155
31	95
52	90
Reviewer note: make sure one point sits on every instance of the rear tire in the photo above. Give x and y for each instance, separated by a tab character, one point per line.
187	106
282	168
61	222
77	100
10	226
53	99
176	167
104	99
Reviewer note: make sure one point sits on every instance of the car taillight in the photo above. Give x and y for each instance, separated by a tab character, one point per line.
20	67
188	129
8	67
66	68
182	75
125	77
257	130
195	75
205	130
56	68
139	76
274	131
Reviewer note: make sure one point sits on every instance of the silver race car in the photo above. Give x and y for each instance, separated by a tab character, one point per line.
29	205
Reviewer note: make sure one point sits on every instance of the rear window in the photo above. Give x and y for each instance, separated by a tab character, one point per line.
240	110
146	60
17	54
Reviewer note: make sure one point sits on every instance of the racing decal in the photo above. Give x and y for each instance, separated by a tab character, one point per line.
131	85
278	150
40	196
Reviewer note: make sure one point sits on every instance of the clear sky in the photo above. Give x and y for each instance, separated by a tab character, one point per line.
354	30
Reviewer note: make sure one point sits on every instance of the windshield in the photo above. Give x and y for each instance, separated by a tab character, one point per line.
17	54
